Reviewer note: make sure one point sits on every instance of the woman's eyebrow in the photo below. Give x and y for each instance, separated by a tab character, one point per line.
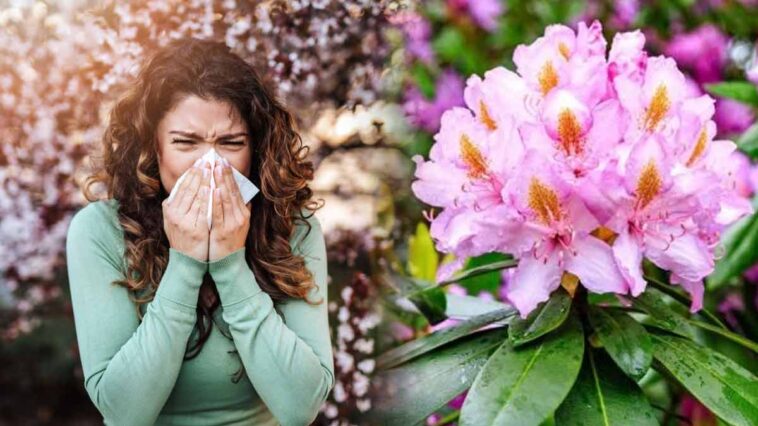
196	136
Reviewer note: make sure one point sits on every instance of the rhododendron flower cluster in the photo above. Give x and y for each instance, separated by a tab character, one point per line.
580	164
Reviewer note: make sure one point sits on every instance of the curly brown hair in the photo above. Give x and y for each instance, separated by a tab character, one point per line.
129	170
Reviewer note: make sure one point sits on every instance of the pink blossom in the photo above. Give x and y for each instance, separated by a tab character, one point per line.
581	166
425	113
687	49
733	117
417	31
752	71
484	13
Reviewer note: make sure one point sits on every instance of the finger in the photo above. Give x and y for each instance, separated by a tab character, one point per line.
199	208
234	191
218	209
183	193
180	192
226	200
205	181
190	192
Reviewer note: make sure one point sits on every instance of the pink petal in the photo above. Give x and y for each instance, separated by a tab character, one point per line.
694	288
593	263
628	256
532	283
687	256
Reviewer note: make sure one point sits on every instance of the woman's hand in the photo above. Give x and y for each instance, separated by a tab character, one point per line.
184	218
231	217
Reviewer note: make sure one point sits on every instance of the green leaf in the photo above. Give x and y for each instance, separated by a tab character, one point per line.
519	386
463	307
603	395
742	91
652	301
734	337
479	270
740	251
748	142
425	295
415	348
422	257
685	300
544	319
432	304
424	79
625	339
723	386
415	390
451	46
489	281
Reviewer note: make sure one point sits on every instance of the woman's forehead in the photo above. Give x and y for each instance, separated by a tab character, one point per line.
204	117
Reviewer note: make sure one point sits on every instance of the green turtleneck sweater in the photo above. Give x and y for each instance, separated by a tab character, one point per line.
134	371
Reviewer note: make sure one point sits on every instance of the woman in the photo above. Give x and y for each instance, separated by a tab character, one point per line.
231	324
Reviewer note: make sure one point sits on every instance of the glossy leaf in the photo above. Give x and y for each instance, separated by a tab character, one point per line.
464	306
489	281
748	142
685	300
723	386
742	91
428	298
625	339
418	347
604	396
652	301
546	318
414	390
480	270
432	304
739	245
522	386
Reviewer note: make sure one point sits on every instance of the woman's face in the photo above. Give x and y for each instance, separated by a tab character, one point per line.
194	126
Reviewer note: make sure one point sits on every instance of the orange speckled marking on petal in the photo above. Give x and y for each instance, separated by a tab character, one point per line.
486	118
565	52
648	185
472	156
548	77
569	132
700	144
544	202
658	108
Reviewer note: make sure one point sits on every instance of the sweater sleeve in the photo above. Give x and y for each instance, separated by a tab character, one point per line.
289	362
129	367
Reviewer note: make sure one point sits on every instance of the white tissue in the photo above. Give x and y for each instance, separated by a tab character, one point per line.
246	187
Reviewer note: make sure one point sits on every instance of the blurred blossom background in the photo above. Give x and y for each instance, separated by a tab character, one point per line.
368	82
63	63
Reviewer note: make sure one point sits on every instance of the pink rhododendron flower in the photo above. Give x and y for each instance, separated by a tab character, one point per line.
582	165
484	13
425	113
